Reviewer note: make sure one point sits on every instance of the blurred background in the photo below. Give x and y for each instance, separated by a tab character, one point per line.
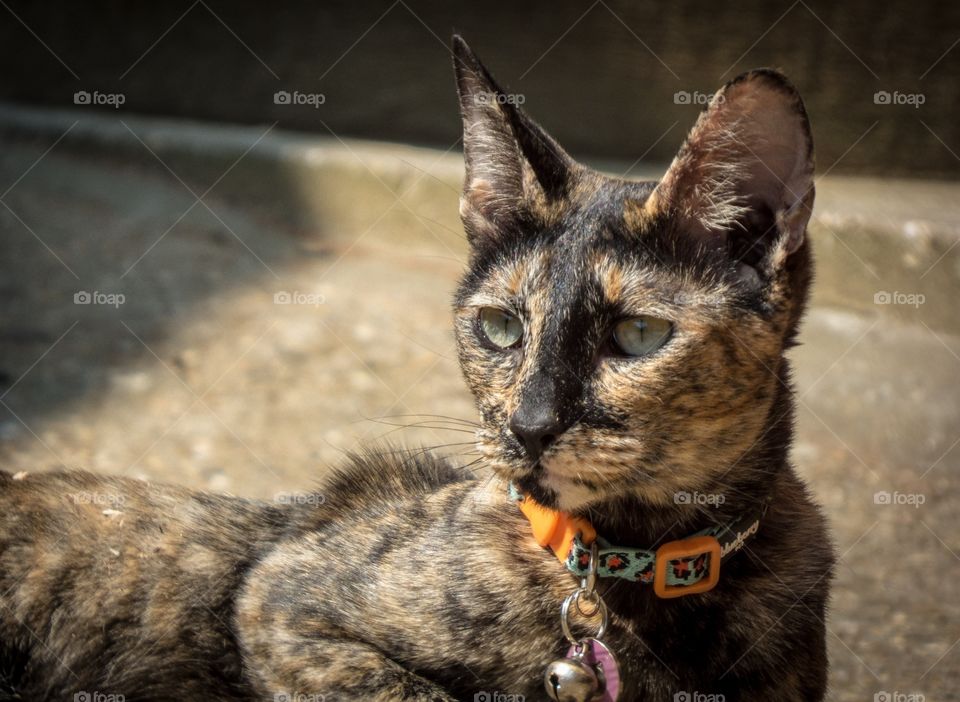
229	234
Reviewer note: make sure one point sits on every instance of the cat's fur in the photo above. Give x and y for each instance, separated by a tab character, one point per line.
413	581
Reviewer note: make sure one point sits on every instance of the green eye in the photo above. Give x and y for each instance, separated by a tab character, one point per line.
500	328
639	336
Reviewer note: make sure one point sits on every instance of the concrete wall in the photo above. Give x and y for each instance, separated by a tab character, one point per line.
602	76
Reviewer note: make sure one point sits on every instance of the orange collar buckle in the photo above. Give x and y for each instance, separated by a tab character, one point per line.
686	548
556	529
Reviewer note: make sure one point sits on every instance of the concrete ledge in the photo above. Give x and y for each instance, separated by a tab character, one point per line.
872	236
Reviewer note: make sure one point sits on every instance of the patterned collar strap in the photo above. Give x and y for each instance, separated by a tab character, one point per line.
683	567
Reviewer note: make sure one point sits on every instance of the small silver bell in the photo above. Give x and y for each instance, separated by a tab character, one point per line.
570	680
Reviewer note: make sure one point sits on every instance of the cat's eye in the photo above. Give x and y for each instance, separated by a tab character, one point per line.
501	328
639	336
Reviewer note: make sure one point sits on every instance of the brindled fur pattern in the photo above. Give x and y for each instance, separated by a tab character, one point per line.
415	580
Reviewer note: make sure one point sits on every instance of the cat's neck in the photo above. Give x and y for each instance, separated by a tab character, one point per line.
741	491
631	522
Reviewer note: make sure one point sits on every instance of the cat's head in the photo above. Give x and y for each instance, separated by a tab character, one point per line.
626	338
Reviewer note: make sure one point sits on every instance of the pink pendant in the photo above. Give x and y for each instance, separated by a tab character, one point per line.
599	657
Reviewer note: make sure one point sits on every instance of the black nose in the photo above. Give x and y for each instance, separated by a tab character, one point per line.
536	430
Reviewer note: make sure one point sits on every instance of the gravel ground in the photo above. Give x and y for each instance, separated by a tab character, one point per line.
205	376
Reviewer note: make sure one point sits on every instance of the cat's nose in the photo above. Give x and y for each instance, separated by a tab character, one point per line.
536	430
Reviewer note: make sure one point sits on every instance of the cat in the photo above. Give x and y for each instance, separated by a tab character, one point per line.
625	345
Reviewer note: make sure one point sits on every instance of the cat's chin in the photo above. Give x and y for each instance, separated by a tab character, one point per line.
570	497
556	491
559	492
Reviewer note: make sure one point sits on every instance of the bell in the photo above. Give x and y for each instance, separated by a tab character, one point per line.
570	680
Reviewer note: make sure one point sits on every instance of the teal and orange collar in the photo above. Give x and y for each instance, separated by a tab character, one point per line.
683	567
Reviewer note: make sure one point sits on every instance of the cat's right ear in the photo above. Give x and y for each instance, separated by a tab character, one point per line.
743	179
513	168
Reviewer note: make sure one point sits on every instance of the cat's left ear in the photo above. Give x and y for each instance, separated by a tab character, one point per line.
743	180
513	167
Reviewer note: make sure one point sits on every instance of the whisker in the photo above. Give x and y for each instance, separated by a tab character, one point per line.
459	420
426	425
398	427
469	466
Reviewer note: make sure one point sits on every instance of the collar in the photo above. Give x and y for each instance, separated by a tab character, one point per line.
676	568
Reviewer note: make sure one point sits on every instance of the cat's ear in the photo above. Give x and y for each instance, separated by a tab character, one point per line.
513	167
743	179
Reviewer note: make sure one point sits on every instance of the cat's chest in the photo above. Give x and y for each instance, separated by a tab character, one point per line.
650	663
506	628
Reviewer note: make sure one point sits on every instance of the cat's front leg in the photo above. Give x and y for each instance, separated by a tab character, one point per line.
295	651
335	670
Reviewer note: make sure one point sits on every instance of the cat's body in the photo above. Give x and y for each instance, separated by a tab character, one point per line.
174	595
412	581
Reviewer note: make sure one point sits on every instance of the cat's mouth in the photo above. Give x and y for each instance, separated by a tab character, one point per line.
547	481
557	491
579	470
532	483
584	471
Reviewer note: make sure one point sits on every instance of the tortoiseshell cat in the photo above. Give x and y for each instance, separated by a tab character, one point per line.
625	344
